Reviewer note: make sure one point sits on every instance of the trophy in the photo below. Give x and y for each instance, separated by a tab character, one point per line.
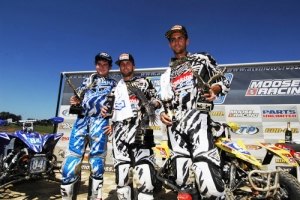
110	104
78	109
205	86
144	137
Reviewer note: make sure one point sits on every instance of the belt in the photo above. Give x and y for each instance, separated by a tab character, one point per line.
205	107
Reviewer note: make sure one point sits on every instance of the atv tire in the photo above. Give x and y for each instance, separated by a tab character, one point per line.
290	184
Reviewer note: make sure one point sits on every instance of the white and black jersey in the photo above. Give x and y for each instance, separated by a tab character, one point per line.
184	83
125	151
190	137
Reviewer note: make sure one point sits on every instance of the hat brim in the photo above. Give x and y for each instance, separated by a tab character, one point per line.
106	59
103	59
170	32
119	61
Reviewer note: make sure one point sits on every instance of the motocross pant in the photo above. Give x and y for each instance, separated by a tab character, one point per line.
192	146
127	155
87	130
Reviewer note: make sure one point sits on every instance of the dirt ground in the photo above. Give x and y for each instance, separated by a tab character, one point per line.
45	190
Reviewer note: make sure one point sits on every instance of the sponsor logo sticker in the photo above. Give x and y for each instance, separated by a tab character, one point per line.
279	113
253	147
247	130
279	130
217	113
243	113
65	125
274	87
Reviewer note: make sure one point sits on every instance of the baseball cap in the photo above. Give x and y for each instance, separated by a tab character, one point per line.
125	56
176	28
103	56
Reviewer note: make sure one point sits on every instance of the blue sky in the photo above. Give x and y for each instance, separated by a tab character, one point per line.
41	39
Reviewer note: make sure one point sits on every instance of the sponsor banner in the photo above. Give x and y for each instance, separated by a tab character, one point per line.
221	99
243	113
85	166
64	112
298	111
254	89
248	130
273	84
275	131
109	156
60	151
274	87
155	81
62	145
76	80
279	113
218	113
66	125
109	168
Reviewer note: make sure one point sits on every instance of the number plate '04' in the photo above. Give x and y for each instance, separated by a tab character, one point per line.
38	164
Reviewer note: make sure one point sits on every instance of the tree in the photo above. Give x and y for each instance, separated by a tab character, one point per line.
8	115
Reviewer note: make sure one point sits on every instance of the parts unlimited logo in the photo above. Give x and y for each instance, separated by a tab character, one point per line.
274	87
279	113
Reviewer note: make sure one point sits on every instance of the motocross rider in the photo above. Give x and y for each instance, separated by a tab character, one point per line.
189	132
89	128
134	106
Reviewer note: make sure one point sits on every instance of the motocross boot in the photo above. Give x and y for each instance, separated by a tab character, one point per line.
95	188
69	191
143	196
124	193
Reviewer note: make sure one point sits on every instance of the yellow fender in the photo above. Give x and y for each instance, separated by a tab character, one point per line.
238	149
282	153
162	150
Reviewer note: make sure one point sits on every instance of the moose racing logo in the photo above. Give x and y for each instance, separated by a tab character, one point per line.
274	87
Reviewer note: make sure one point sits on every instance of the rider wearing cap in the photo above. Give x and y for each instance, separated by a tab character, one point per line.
189	132
89	128
131	139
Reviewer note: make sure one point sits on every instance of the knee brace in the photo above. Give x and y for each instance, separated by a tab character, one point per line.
144	177
122	174
97	166
124	193
95	188
208	179
69	191
181	167
71	169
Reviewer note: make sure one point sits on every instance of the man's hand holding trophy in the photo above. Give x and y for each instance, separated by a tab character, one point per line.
76	100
